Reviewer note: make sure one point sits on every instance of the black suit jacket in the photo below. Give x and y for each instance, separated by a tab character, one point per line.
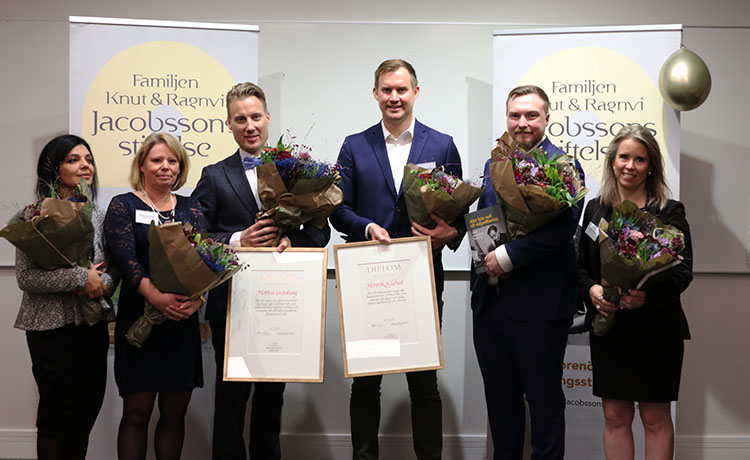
662	291
228	205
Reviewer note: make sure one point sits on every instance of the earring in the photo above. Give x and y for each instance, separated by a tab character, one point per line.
649	173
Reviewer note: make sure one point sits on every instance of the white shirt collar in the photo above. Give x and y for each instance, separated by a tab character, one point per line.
252	178
409	130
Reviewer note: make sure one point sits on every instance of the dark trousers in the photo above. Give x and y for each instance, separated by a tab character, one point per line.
426	413
229	412
70	368
520	358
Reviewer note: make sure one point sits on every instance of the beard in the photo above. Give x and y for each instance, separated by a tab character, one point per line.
526	145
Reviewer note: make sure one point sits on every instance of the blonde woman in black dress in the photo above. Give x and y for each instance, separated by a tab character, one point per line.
640	358
168	366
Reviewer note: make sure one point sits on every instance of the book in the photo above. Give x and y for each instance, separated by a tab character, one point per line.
486	230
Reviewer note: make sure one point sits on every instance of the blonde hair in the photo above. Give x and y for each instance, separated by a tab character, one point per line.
136	176
656	183
245	90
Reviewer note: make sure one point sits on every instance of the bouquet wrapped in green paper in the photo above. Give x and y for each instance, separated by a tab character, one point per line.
634	246
533	188
181	261
295	189
57	233
435	191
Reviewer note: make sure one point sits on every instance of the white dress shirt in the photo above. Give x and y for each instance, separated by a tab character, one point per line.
398	149
252	179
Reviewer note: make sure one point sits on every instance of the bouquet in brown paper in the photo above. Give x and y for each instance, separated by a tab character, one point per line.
634	246
438	192
533	188
181	261
295	189
57	233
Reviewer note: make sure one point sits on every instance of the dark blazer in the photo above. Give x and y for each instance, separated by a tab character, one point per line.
370	194
228	206
662	291
541	285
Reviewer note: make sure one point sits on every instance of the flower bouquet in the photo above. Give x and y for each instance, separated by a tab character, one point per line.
181	261
56	233
634	246
533	188
295	189
53	231
438	192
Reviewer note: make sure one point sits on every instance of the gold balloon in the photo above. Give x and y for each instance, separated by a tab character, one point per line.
684	80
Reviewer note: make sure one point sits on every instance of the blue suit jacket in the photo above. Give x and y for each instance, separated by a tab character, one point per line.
228	205
542	284
370	194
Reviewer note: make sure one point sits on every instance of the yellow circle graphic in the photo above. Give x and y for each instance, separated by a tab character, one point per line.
157	86
593	93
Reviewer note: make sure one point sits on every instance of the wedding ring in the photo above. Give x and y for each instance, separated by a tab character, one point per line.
598	308
601	297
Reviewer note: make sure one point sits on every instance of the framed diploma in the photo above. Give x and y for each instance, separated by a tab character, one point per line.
388	307
276	316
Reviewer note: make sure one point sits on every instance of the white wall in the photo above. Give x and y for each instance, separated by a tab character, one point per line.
454	64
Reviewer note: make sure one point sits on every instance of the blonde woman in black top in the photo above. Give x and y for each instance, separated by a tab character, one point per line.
640	358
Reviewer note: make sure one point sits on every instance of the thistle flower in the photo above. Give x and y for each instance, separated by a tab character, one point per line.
217	256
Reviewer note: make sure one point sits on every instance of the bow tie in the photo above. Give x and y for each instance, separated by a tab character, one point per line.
251	162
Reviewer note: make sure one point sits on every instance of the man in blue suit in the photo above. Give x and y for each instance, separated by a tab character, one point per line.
372	166
521	320
228	193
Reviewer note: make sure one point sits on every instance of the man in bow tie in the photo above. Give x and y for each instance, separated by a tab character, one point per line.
228	193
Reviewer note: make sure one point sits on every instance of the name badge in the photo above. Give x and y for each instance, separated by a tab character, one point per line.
428	165
592	231
146	217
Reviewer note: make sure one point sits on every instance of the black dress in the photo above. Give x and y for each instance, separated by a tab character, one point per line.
170	360
640	358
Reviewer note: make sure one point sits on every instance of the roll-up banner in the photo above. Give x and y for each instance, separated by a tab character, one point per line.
129	78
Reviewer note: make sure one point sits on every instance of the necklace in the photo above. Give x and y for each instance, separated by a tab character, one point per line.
169	216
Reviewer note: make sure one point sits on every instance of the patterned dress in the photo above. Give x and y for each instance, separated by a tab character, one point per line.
170	360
